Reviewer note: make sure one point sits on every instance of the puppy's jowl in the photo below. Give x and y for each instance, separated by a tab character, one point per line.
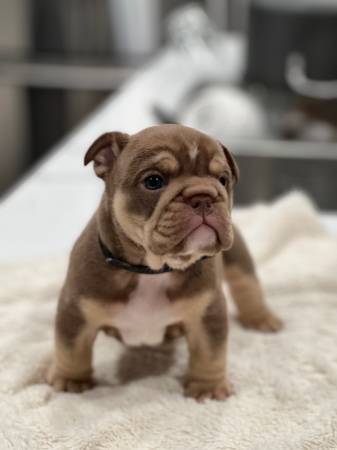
150	264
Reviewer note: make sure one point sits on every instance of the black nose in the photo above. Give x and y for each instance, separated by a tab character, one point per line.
201	204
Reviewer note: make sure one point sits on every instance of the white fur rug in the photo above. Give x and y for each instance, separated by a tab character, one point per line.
286	384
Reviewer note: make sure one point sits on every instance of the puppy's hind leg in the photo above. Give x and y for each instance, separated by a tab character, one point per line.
246	289
71	369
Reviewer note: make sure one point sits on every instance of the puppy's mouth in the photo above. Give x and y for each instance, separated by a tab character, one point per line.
202	237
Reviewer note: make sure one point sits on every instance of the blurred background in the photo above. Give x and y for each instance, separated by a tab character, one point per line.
262	77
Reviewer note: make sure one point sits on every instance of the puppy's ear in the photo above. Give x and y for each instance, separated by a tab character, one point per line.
232	164
105	150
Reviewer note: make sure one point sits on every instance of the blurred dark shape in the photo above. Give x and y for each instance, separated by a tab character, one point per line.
313	115
311	120
277	29
64	31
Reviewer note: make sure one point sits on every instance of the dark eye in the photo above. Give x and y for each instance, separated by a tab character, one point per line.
223	181
154	182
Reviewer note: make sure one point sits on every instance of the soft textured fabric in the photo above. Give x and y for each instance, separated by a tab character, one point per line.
286	383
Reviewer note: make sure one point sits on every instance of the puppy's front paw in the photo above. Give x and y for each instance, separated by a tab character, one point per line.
67	384
202	390
267	322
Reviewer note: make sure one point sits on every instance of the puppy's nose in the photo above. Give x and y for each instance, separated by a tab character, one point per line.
201	204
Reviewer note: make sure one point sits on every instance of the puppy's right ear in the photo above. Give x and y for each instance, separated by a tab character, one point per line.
105	150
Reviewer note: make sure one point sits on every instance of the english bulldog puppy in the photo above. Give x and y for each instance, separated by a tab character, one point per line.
150	264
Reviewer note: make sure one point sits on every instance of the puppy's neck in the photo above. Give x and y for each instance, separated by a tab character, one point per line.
113	236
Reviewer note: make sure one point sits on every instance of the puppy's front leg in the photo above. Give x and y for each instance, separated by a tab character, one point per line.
246	289
71	368
207	338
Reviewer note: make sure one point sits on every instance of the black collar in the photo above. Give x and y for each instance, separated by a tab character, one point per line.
136	268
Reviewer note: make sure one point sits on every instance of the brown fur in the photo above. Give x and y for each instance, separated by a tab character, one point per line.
151	227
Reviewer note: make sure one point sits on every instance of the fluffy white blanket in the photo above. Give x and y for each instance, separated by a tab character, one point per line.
286	384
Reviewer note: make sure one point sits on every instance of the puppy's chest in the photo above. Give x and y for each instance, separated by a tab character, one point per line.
144	318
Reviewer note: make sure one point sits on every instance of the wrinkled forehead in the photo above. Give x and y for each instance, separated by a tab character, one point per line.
176	151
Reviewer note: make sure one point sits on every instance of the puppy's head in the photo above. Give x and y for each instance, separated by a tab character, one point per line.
170	189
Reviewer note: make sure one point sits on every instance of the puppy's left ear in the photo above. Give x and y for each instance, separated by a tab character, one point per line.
105	150
232	164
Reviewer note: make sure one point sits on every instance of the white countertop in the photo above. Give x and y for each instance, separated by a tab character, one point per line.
45	213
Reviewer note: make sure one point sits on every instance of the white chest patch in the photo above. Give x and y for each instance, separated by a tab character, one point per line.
148	312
